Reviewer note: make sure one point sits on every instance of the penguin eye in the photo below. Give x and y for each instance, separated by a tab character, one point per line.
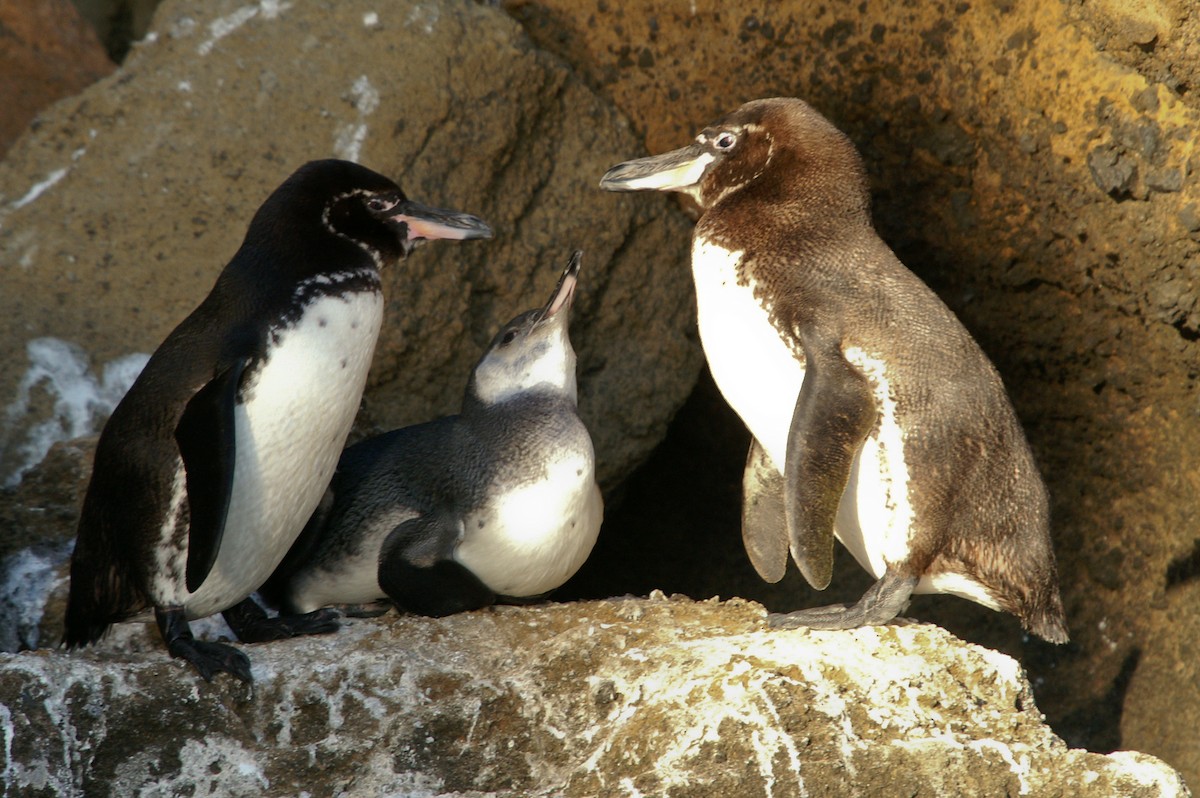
725	141
378	204
508	337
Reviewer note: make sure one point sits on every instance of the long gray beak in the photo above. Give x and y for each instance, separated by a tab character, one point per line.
677	170
565	291
424	222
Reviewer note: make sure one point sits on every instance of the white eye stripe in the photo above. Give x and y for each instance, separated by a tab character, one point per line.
381	205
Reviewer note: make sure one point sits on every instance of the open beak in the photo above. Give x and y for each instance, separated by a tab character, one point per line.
565	291
677	170
426	223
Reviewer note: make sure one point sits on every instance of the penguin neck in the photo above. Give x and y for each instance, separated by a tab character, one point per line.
544	393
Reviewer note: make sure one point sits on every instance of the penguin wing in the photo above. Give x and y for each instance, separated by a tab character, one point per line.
417	569
764	523
834	414
208	445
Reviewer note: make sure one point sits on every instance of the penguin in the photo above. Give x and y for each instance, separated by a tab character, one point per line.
210	465
875	417
497	503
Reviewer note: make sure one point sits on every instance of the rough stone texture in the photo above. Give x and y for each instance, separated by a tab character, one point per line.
1048	192
47	51
119	211
615	698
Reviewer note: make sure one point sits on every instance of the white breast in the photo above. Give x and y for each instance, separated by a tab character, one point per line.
532	538
760	376
290	431
756	371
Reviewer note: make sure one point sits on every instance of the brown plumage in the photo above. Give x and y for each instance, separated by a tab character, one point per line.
875	415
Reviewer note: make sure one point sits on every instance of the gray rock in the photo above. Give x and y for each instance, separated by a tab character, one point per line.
117	213
613	698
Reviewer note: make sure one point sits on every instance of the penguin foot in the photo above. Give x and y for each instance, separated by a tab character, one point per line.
372	610
207	658
251	623
882	602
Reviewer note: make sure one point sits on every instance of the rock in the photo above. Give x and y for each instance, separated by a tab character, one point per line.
118	212
47	51
612	698
1113	170
1059	283
119	23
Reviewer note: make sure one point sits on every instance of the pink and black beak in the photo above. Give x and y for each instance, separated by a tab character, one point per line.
423	223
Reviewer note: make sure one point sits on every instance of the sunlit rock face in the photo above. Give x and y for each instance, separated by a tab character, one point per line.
610	698
118	211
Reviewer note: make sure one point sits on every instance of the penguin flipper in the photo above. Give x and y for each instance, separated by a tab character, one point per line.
208	445
764	523
417	569
834	414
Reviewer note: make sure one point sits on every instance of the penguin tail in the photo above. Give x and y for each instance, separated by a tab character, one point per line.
98	598
1048	623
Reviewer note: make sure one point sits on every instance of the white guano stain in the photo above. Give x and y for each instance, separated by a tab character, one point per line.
61	369
40	188
425	16
349	138
223	26
27	578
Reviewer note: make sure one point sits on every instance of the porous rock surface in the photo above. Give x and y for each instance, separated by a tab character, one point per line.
119	210
612	698
1036	163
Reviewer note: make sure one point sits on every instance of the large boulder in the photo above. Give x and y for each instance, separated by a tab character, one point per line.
613	698
1035	163
47	51
119	210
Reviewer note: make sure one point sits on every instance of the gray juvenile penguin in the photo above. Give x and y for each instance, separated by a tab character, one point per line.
209	467
875	416
498	502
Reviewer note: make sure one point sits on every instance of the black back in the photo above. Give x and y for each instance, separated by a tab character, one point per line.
315	223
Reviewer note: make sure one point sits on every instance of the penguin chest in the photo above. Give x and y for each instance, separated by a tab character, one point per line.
530	536
760	375
297	409
757	372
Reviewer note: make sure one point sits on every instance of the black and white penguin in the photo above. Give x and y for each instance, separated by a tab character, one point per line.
209	467
875	416
497	503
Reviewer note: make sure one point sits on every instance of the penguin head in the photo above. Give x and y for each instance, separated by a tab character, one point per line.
354	204
533	351
782	147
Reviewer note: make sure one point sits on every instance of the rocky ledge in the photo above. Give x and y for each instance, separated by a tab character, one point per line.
623	697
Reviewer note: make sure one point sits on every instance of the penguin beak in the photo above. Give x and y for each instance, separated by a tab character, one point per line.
565	292
425	223
677	170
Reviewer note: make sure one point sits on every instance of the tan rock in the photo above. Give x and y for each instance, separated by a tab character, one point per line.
1046	188
614	698
117	214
